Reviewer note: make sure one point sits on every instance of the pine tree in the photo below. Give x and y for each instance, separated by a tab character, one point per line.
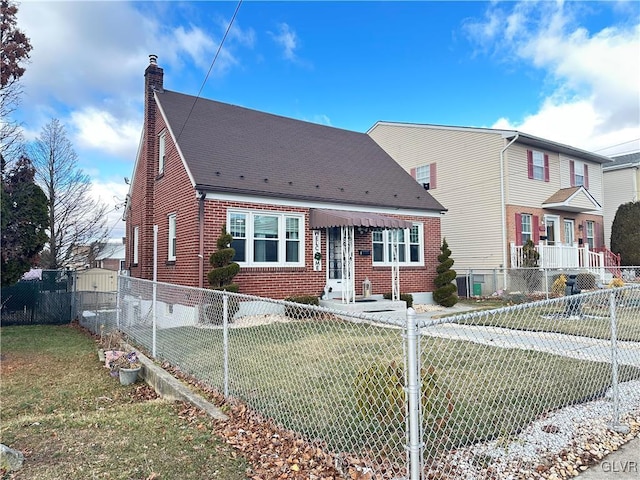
625	233
445	293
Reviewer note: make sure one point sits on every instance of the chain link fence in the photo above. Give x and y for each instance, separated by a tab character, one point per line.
535	283
400	396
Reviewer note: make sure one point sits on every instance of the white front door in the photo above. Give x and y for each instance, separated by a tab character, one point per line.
552	229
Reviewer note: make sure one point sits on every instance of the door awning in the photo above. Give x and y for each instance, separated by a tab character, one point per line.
325	218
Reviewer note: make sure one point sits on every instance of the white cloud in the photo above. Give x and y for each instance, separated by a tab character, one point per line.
595	75
287	39
113	195
100	130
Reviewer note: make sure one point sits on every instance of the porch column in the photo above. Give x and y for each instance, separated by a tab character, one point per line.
395	267
348	268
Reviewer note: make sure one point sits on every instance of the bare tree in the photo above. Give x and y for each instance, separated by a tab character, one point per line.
76	221
14	52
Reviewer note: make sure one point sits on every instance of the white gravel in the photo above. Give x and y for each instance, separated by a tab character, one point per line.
559	445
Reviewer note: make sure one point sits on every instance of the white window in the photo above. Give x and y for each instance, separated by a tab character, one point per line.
526	228
578	178
538	165
172	238
136	239
568	232
410	246
161	152
267	238
423	174
591	228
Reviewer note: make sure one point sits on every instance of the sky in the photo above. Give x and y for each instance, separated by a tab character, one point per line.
565	71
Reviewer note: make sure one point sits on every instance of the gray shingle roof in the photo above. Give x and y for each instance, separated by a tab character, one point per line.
237	150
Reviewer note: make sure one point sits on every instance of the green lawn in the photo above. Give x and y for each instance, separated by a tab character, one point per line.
72	420
595	322
303	373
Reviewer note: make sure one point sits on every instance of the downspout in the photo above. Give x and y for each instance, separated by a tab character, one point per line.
201	239
503	211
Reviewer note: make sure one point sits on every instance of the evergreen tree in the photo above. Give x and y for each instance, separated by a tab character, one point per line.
224	268
24	220
445	293
625	233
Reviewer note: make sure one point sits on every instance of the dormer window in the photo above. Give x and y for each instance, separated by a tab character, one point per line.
161	152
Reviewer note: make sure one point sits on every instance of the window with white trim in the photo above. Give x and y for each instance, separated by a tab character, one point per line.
410	246
172	238
263	238
161	152
578	176
136	241
591	236
423	174
538	165
526	231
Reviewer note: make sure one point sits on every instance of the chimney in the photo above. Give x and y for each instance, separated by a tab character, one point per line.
153	83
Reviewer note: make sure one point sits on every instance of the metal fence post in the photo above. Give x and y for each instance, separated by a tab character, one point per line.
413	394
119	282
225	342
616	426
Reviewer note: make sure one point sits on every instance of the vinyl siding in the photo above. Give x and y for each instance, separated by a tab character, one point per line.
620	186
525	191
468	184
595	176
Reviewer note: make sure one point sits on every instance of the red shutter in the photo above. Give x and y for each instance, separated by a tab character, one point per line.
413	172
572	173
518	229
535	228
530	163
546	167
432	176
586	177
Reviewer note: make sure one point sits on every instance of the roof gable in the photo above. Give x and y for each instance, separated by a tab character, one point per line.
573	199
232	149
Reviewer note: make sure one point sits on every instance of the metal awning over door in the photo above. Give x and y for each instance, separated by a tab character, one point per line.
326	218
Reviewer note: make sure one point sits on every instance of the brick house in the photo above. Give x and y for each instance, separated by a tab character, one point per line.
309	206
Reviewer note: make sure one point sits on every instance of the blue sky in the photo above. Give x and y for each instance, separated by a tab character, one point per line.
566	71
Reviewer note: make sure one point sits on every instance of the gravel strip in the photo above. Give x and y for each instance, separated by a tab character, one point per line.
559	445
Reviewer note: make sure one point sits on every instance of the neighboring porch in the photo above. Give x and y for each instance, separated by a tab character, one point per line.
600	262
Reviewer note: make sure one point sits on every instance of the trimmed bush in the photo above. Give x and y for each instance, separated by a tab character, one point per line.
406	297
558	285
445	293
297	313
220	278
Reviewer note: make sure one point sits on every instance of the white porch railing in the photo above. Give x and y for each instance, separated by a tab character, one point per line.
569	257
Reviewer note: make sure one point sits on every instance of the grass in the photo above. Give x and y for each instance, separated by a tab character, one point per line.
72	420
595	322
302	374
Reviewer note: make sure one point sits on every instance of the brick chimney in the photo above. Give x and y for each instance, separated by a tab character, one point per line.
153	82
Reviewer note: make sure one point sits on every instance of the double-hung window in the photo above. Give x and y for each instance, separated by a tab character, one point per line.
526	232
136	243
410	242
425	175
161	152
262	238
538	165
579	174
172	238
591	230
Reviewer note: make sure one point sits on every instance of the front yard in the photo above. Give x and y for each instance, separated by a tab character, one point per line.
72	420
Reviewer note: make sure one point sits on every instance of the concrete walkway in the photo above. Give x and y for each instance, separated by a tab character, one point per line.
623	464
573	346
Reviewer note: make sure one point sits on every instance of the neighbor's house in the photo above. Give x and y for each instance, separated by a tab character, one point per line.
308	206
621	185
504	187
111	256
